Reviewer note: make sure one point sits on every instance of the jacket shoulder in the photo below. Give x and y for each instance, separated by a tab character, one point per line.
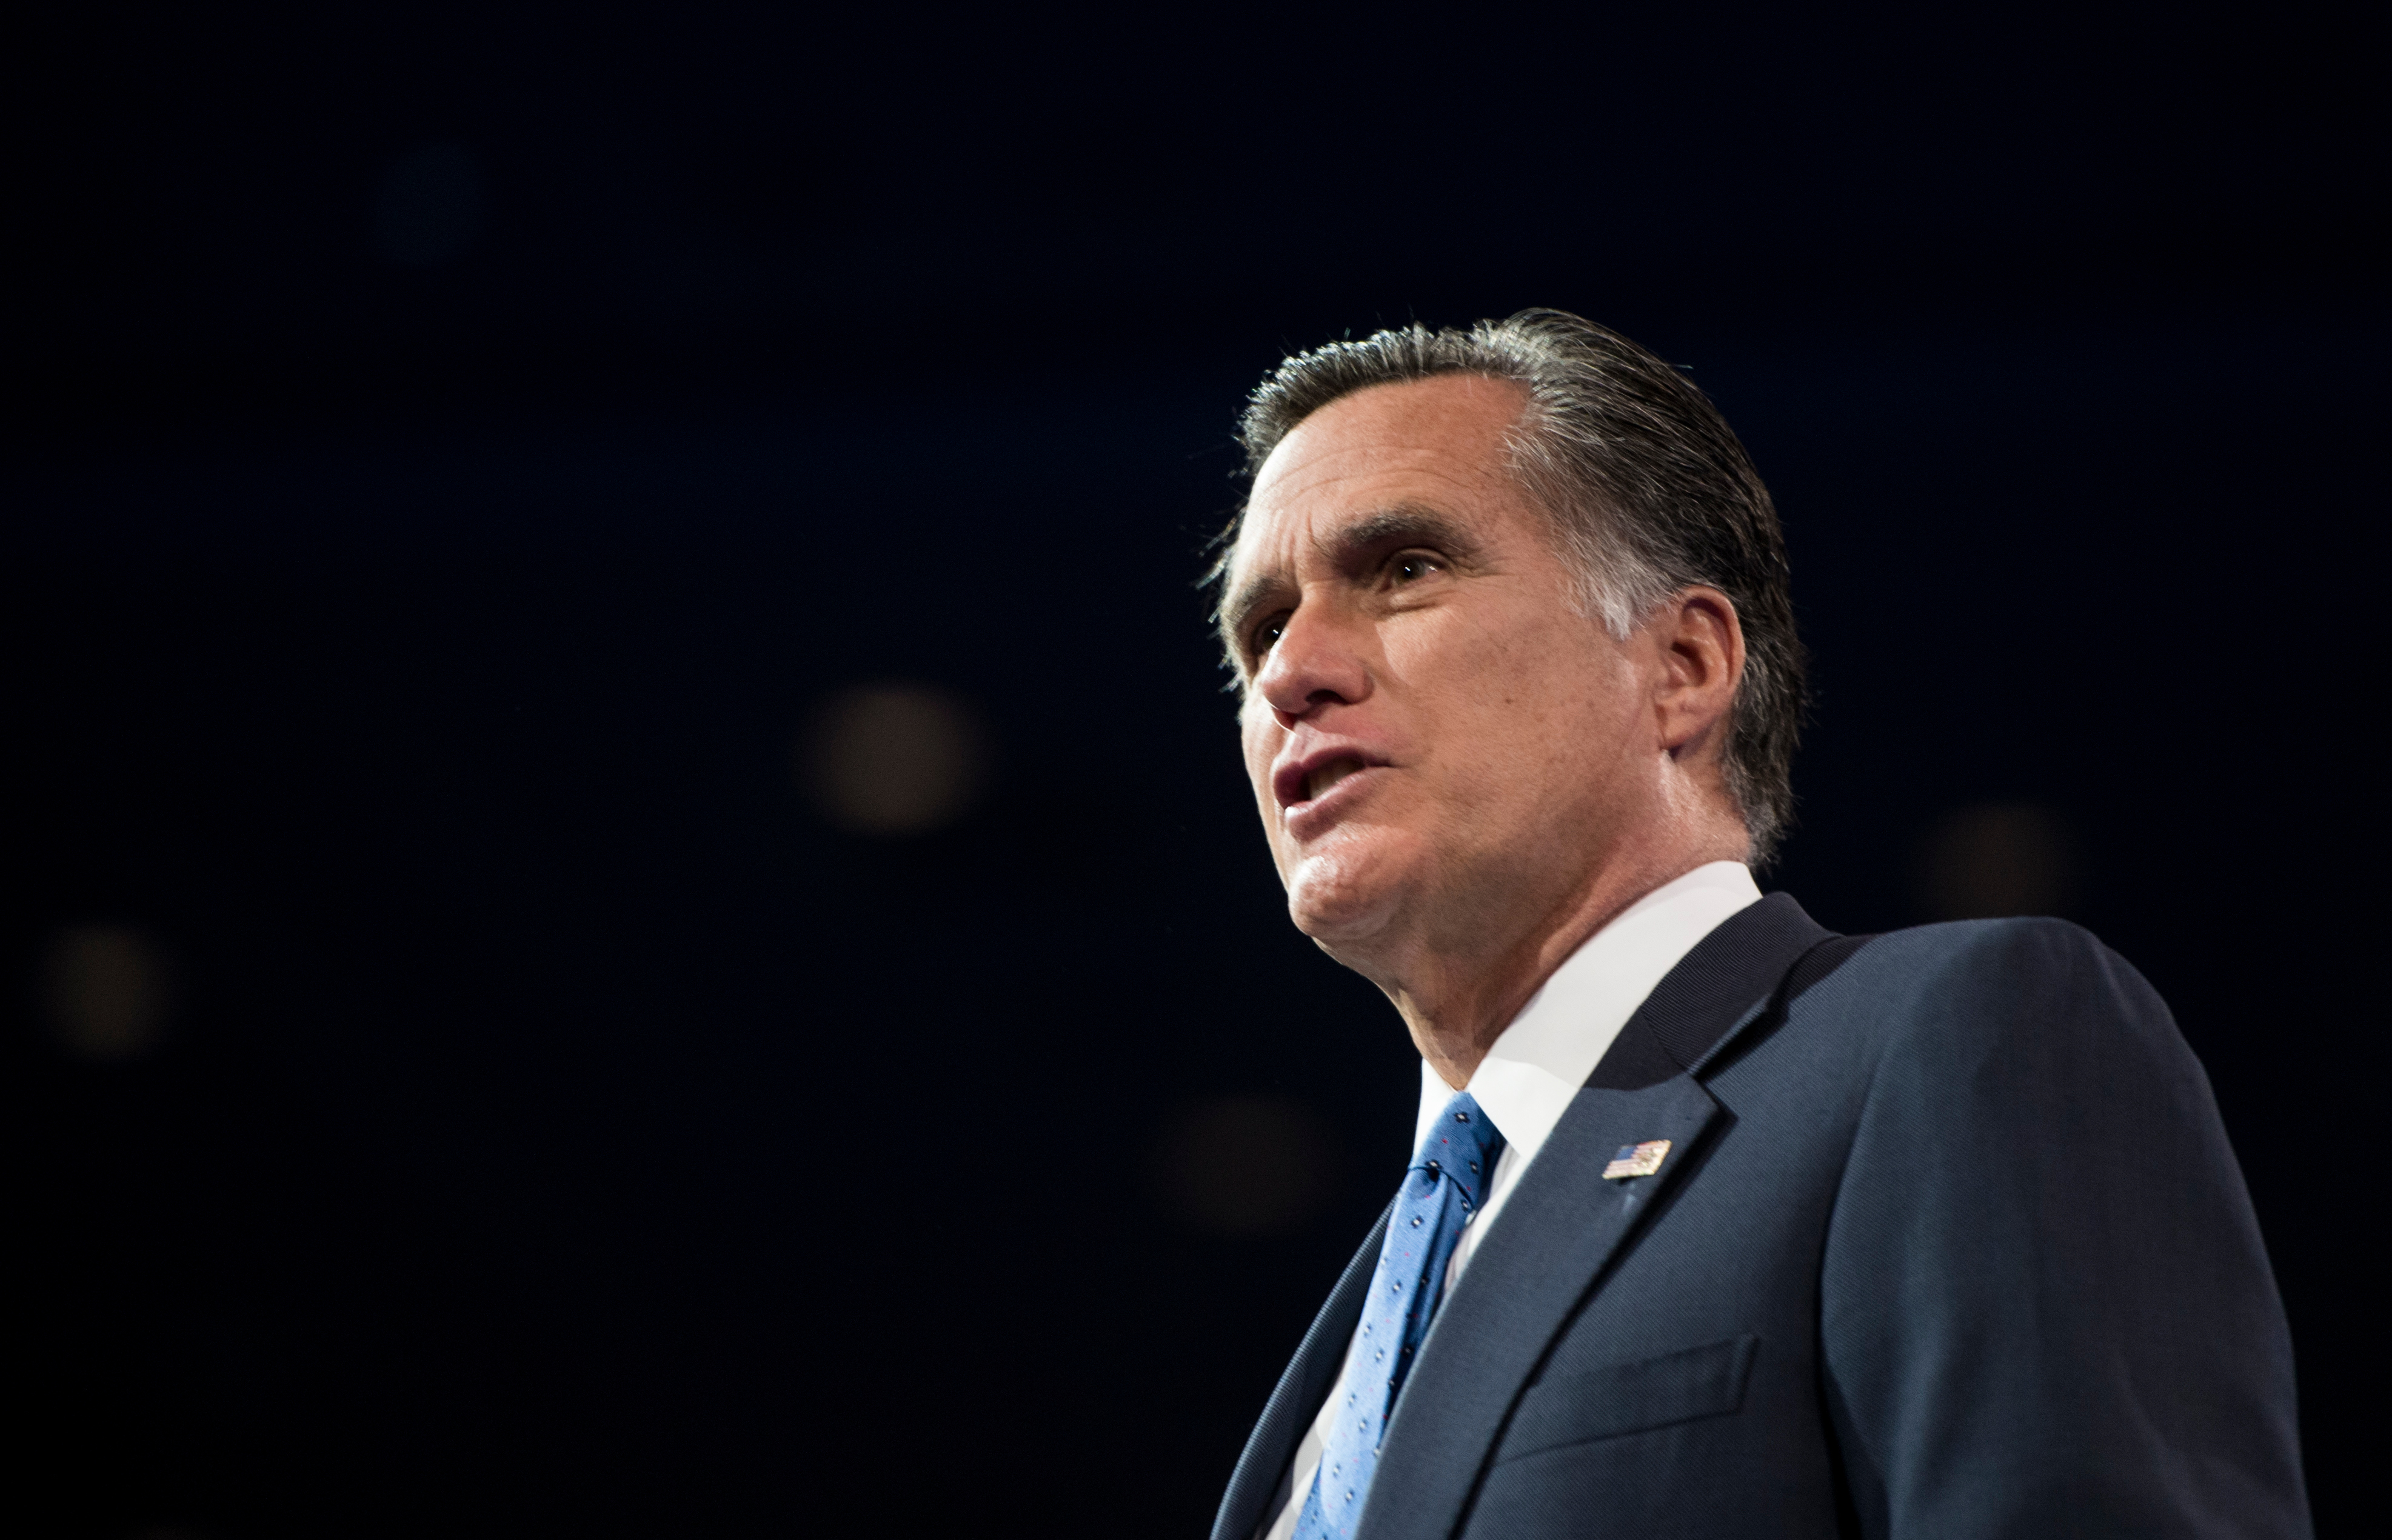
2038	1203
1974	984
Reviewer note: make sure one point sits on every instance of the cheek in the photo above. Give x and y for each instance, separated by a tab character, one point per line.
1535	714
1258	744
1478	695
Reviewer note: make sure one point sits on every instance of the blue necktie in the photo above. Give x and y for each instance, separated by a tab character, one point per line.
1447	1182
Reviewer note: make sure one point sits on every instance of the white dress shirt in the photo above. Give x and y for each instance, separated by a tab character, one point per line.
1525	1082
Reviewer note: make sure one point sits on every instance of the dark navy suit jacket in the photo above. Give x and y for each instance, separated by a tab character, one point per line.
1949	1244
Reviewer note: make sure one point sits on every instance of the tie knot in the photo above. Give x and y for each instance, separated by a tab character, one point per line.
1462	1147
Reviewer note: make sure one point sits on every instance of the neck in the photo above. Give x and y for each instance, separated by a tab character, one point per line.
1457	998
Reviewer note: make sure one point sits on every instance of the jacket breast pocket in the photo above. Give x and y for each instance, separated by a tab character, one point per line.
1707	1381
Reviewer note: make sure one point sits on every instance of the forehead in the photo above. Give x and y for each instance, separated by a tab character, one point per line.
1439	442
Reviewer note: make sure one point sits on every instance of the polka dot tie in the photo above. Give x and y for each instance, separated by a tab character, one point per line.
1447	1182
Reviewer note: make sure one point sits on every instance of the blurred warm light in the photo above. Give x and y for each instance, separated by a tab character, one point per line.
106	991
894	758
1248	1165
1998	858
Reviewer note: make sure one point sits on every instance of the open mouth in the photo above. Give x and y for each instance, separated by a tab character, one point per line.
1317	784
1329	766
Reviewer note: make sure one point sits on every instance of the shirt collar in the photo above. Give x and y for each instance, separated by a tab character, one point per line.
1525	1082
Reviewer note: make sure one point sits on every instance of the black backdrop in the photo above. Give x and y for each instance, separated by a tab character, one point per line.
457	452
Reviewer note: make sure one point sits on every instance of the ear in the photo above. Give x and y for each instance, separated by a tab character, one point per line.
1700	647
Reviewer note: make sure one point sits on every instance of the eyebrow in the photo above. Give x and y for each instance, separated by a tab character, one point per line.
1348	547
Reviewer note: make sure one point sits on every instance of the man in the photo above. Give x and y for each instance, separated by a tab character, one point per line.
1718	1225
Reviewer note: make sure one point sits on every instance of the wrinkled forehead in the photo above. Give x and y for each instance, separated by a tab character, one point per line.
1442	443
1274	544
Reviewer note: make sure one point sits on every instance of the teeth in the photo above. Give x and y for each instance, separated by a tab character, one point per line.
1329	775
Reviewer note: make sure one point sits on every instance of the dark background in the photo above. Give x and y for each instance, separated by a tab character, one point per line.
455	452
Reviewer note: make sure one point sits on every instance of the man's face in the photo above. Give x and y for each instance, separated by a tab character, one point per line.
1438	742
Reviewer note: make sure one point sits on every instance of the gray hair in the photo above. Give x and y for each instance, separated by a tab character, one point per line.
1650	490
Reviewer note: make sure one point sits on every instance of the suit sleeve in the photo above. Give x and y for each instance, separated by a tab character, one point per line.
2044	1305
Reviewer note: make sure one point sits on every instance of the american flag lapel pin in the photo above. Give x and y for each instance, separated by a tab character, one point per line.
1636	1159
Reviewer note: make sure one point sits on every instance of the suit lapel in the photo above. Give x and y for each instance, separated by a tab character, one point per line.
1298	1399
1693	1015
1560	1229
1564	1223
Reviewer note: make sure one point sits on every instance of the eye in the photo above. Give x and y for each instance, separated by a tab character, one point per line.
1411	567
1268	634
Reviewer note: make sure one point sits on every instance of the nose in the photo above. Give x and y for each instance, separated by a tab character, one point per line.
1316	662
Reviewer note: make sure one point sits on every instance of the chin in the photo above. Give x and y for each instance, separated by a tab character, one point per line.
1345	895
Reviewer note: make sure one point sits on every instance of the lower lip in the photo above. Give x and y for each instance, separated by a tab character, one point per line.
1311	817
